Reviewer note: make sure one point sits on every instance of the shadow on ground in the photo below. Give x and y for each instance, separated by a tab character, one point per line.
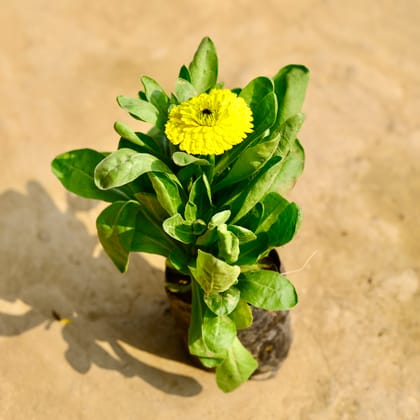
50	264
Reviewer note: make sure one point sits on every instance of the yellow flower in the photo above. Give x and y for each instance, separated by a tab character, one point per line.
210	123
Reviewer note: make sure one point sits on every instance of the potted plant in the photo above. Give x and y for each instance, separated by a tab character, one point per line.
203	189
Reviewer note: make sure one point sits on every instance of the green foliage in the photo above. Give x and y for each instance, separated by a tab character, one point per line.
212	217
236	367
242	315
116	227
75	170
267	290
213	274
204	66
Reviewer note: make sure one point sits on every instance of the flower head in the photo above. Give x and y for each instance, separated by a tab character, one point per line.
210	123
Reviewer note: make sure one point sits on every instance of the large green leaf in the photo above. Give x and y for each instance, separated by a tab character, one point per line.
116	229
236	368
256	90
267	290
204	66
177	228
139	109
290	130
273	205
285	227
291	169
124	166
242	315
149	236
251	252
200	197
265	114
257	189
213	274
184	90
264	117
290	86
169	193
75	170
151	204
155	94
219	331
223	303
196	344
179	260
249	162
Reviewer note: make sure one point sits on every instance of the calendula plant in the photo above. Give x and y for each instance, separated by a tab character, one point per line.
203	188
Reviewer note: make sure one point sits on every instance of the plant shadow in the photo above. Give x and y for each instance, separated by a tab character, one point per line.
52	265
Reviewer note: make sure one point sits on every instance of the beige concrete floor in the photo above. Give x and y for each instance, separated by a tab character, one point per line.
356	353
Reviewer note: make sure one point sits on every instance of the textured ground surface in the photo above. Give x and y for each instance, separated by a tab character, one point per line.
356	353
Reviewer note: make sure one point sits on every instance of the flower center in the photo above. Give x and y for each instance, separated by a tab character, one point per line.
207	117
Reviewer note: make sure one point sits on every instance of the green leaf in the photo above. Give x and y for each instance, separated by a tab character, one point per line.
200	196
290	129
252	218
116	229
242	315
218	331
139	109
124	166
184	90
264	117
207	239
210	362
144	144
291	169
149	236
199	227
190	212
184	73
219	218
151	204
177	228
236	368
244	235
213	274
251	252
256	90
249	162
184	159
260	96
204	66
290	86
179	260
223	303
258	188
196	343
168	192
127	133
228	244
273	205
156	95
286	226
267	290
265	114
75	170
